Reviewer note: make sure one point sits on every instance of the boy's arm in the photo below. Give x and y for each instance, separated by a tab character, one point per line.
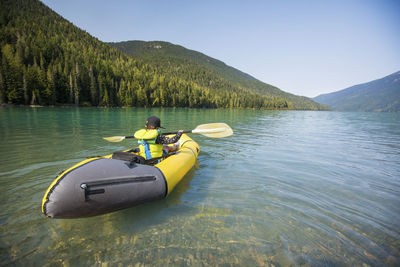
162	139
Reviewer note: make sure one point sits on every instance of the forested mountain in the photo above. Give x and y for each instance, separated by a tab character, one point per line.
46	60
379	95
170	59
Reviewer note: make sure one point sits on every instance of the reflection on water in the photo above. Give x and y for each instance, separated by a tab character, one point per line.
288	188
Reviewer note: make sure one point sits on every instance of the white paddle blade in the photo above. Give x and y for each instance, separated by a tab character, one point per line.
114	138
215	130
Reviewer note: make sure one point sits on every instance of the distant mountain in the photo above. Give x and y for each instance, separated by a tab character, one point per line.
171	59
379	95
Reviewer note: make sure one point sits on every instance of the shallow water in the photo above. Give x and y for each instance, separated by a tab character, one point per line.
288	188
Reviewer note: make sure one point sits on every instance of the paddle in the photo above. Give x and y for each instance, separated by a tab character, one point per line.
214	130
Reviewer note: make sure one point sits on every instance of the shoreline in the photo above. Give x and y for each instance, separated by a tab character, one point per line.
87	106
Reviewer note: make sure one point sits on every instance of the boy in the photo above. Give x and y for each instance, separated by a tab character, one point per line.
152	143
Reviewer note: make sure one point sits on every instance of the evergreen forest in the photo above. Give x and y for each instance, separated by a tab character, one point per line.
46	60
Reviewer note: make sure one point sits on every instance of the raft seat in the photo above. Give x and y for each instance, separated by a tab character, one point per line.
132	157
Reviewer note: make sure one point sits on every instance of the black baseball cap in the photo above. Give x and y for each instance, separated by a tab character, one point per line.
154	121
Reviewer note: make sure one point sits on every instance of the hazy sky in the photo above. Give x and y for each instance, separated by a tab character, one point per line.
304	47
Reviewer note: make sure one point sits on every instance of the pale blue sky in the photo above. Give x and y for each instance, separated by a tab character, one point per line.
305	47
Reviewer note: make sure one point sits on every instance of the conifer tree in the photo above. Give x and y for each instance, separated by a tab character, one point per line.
76	84
93	87
25	87
2	88
71	88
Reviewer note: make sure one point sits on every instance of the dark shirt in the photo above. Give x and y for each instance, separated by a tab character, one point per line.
162	139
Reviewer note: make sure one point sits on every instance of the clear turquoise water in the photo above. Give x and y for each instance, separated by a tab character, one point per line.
288	188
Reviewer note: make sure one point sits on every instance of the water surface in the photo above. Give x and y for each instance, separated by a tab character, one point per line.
288	188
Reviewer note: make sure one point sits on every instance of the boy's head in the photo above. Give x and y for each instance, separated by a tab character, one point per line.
153	122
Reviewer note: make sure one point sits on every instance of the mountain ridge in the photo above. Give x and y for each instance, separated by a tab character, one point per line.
164	54
380	95
140	49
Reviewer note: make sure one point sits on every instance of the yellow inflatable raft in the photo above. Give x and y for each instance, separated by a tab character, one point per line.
104	184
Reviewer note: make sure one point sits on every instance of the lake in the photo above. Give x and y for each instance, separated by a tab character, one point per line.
288	188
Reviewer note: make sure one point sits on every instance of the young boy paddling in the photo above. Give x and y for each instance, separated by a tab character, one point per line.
152	143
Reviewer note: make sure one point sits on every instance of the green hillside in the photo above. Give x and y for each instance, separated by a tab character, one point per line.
156	49
171	58
46	60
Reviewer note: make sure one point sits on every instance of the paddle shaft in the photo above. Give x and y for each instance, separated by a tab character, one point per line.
131	136
214	130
